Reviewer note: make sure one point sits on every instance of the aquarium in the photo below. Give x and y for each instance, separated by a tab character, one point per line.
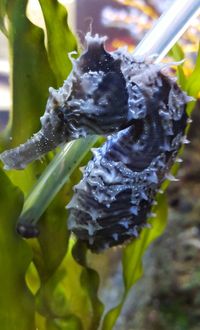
99	165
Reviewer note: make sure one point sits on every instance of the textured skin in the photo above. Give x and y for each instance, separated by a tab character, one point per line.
113	201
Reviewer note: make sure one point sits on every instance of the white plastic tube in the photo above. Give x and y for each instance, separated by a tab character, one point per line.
168	28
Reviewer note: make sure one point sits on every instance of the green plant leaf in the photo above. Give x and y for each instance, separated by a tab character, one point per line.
64	297
193	81
16	302
53	229
177	53
60	40
50	250
31	73
69	323
90	283
132	258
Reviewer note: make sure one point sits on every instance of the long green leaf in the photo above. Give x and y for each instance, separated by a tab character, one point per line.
177	53
193	82
64	295
31	72
31	76
60	40
90	283
190	84
16	302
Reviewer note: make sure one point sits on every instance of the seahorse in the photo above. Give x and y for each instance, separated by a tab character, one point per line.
113	201
142	112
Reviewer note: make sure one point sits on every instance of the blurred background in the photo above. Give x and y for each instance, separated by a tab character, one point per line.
168	295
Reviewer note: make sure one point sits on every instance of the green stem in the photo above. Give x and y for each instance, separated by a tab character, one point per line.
52	180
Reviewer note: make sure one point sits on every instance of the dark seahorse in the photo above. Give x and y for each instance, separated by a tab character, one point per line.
141	110
113	201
